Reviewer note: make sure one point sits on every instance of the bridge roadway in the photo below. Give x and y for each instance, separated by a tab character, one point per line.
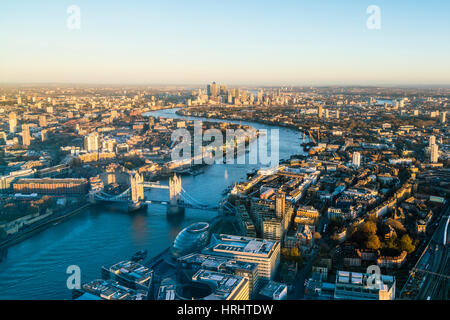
435	283
183	204
187	201
154	185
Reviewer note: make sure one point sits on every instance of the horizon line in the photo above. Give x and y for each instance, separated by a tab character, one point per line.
196	84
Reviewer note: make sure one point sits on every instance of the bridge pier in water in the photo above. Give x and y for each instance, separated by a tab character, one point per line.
174	208
137	193
135	199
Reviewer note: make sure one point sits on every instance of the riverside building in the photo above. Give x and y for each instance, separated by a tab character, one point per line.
51	186
265	253
192	263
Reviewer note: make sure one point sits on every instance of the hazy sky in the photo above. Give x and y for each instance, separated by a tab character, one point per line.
314	42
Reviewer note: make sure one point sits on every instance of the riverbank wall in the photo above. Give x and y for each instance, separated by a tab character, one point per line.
40	226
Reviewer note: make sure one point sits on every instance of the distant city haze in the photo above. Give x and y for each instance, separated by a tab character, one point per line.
286	42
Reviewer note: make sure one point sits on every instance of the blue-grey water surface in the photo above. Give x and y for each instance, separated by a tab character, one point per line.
36	267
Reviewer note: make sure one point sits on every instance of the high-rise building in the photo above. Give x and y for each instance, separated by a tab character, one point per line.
212	90
280	204
12	122
443	116
434	156
26	138
432	141
208	90
260	96
223	89
337	114
320	111
356	159
92	142
251	99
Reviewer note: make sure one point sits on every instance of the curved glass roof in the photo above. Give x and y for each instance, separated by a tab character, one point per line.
191	239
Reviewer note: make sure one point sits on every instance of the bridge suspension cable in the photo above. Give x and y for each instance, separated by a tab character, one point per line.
105	196
190	198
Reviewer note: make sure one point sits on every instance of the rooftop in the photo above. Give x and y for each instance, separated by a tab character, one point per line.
243	245
111	290
214	262
132	271
272	288
224	284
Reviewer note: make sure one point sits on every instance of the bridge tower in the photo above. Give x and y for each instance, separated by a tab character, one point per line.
92	196
175	189
175	196
137	187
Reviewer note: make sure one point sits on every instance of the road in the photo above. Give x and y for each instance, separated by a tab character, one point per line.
305	273
435	283
302	275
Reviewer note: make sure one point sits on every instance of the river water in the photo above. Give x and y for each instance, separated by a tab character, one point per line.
36	267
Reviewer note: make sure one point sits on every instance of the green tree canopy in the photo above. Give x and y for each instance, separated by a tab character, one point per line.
405	244
373	242
369	228
295	252
317	236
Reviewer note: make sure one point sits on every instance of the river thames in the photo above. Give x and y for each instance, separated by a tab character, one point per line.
36	267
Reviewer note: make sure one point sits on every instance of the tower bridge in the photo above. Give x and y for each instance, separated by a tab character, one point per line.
134	196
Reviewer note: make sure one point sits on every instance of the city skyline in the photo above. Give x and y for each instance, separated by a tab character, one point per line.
221	151
364	170
257	43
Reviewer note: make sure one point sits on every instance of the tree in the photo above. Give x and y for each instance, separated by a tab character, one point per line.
296	256
405	244
397	225
373	242
317	236
295	252
369	228
391	243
